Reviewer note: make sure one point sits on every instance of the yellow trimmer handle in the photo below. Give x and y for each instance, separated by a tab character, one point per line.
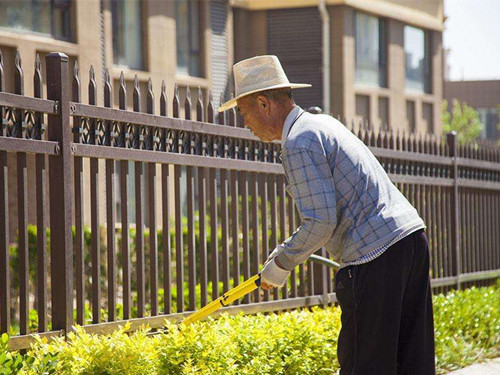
226	299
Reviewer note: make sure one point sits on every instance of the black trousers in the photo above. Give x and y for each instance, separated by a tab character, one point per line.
387	320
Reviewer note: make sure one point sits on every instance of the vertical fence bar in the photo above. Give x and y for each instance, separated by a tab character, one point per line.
153	239
79	204
214	240
110	204
202	196
468	226
274	214
482	226
190	212
22	205
496	240
233	185
463	238
4	224
41	180
95	207
124	177
179	246
224	223
489	228
165	192
139	212
455	208
282	215
440	244
41	221
60	194
245	222
254	183
263	208
235	228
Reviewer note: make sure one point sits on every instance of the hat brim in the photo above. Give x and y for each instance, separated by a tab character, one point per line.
233	102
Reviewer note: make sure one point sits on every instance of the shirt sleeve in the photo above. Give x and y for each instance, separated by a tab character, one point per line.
311	185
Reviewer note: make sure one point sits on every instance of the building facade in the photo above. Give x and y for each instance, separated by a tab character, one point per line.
484	97
385	55
182	42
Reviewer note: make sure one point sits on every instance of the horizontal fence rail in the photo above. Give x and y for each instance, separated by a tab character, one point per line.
112	214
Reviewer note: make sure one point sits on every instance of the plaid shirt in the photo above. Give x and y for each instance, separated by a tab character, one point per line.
344	197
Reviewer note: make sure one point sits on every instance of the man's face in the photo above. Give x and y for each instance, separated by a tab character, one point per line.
257	117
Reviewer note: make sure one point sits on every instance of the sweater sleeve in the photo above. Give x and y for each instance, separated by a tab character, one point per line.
311	185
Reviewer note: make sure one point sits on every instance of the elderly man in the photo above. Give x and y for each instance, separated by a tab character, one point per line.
348	205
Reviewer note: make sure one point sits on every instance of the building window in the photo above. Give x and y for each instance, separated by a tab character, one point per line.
187	25
490	118
418	67
362	108
38	16
428	116
371	61
410	115
127	33
383	113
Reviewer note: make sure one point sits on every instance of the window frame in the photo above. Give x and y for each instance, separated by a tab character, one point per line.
144	66
202	22
382	80
427	68
53	5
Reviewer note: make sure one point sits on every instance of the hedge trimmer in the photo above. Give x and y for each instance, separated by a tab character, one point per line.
241	290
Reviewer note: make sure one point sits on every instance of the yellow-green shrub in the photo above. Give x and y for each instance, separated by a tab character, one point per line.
467	326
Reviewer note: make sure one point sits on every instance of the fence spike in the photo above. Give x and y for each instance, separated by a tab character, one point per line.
2	77
122	93
175	102
37	78
18	60
399	140
107	89
92	87
199	105
76	83
222	114
232	117
38	63
380	138
367	136
18	75
150	98
187	104
163	100
210	107
137	95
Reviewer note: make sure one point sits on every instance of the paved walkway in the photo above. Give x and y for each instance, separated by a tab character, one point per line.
491	367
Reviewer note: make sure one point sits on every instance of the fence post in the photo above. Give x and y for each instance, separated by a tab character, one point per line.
451	138
60	167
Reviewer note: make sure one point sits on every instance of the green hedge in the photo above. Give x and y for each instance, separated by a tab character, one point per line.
467	327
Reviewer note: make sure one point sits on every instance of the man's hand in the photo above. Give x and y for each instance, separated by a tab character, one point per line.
272	275
264	285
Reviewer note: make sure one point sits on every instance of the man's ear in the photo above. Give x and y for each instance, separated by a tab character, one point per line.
263	103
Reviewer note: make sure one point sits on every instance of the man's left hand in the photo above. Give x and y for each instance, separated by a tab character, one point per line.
272	275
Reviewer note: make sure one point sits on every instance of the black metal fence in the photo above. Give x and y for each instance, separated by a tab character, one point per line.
192	208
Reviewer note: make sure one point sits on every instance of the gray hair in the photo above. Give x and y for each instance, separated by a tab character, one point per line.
279	96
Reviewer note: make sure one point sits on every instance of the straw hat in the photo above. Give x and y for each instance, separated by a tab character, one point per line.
256	74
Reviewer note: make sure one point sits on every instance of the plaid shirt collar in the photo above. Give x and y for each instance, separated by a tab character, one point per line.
288	123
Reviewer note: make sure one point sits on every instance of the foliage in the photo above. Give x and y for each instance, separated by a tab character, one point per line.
462	119
467	325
